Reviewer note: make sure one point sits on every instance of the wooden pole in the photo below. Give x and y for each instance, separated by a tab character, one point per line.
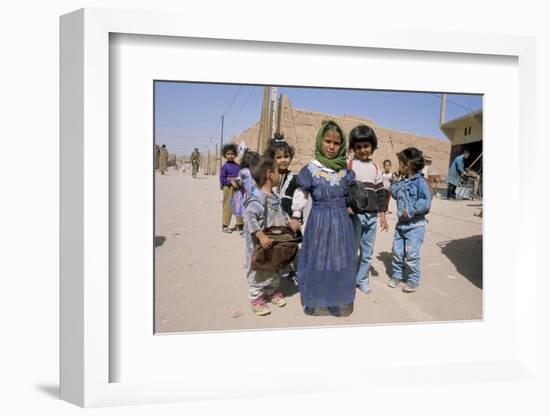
474	162
264	117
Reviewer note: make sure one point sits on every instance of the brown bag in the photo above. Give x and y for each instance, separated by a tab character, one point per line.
280	254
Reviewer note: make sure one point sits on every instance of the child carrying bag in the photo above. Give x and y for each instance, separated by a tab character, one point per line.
280	254
366	197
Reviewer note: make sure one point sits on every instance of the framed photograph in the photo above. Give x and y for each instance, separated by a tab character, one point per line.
131	243
205	166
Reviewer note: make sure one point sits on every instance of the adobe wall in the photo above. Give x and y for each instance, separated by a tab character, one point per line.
300	128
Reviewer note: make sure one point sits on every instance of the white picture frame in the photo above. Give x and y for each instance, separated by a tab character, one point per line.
86	356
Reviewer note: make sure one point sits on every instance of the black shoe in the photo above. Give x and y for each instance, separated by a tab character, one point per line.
308	310
334	310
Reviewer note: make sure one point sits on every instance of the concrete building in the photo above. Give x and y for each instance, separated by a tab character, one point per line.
465	131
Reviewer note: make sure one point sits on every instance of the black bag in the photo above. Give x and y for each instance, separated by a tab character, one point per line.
362	197
280	254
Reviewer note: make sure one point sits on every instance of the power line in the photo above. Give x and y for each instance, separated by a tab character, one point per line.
452	102
183	136
233	100
206	121
242	108
217	125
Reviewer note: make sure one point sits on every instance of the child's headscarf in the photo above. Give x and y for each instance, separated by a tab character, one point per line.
339	161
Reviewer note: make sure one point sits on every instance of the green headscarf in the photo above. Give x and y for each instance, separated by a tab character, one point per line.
339	161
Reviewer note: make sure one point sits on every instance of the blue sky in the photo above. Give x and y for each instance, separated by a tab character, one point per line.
188	115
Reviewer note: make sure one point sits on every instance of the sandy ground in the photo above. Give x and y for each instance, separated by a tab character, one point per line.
200	282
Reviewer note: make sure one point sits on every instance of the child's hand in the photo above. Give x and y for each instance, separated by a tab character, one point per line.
265	241
350	211
383	222
234	184
294	224
405	214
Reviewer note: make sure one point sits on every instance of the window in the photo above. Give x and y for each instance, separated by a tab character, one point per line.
465	131
469	131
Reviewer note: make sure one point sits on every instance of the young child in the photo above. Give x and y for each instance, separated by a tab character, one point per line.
327	264
386	179
282	153
245	183
363	141
413	198
263	285
228	175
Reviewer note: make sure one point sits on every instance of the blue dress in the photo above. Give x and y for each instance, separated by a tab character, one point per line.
327	263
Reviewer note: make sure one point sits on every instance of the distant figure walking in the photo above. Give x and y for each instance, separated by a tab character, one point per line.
157	156
195	162
163	159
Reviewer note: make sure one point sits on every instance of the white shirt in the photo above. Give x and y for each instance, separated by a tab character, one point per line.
366	171
386	179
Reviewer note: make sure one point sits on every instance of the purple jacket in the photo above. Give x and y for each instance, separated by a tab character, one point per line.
229	170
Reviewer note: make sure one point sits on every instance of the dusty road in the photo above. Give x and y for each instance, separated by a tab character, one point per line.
200	282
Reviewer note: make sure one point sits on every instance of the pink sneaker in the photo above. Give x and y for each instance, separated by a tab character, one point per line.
259	307
278	299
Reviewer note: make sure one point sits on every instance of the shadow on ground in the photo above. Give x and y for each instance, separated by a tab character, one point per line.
159	240
386	258
466	255
288	287
51	390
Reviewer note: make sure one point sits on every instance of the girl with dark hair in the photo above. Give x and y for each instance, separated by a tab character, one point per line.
245	182
282	153
228	174
327	262
413	198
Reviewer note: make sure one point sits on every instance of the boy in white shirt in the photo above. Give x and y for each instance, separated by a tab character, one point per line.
386	179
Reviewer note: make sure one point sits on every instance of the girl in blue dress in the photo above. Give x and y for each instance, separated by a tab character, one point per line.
327	262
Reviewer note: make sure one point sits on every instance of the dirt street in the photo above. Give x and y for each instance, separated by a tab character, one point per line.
200	282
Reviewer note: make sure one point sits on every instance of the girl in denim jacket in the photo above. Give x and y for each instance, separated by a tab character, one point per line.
413	199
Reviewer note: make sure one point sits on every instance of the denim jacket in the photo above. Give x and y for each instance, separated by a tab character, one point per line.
412	194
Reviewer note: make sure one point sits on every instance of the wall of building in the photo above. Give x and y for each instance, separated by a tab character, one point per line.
300	129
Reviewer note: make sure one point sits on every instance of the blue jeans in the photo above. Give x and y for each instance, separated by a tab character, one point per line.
365	234
407	242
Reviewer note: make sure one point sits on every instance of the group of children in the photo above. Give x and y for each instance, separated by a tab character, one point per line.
262	192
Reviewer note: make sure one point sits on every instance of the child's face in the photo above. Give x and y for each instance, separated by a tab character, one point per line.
330	146
387	167
230	155
403	168
363	150
282	159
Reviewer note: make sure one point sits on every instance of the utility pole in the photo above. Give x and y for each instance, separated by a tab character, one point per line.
216	160
221	137
272	113
443	109
263	134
